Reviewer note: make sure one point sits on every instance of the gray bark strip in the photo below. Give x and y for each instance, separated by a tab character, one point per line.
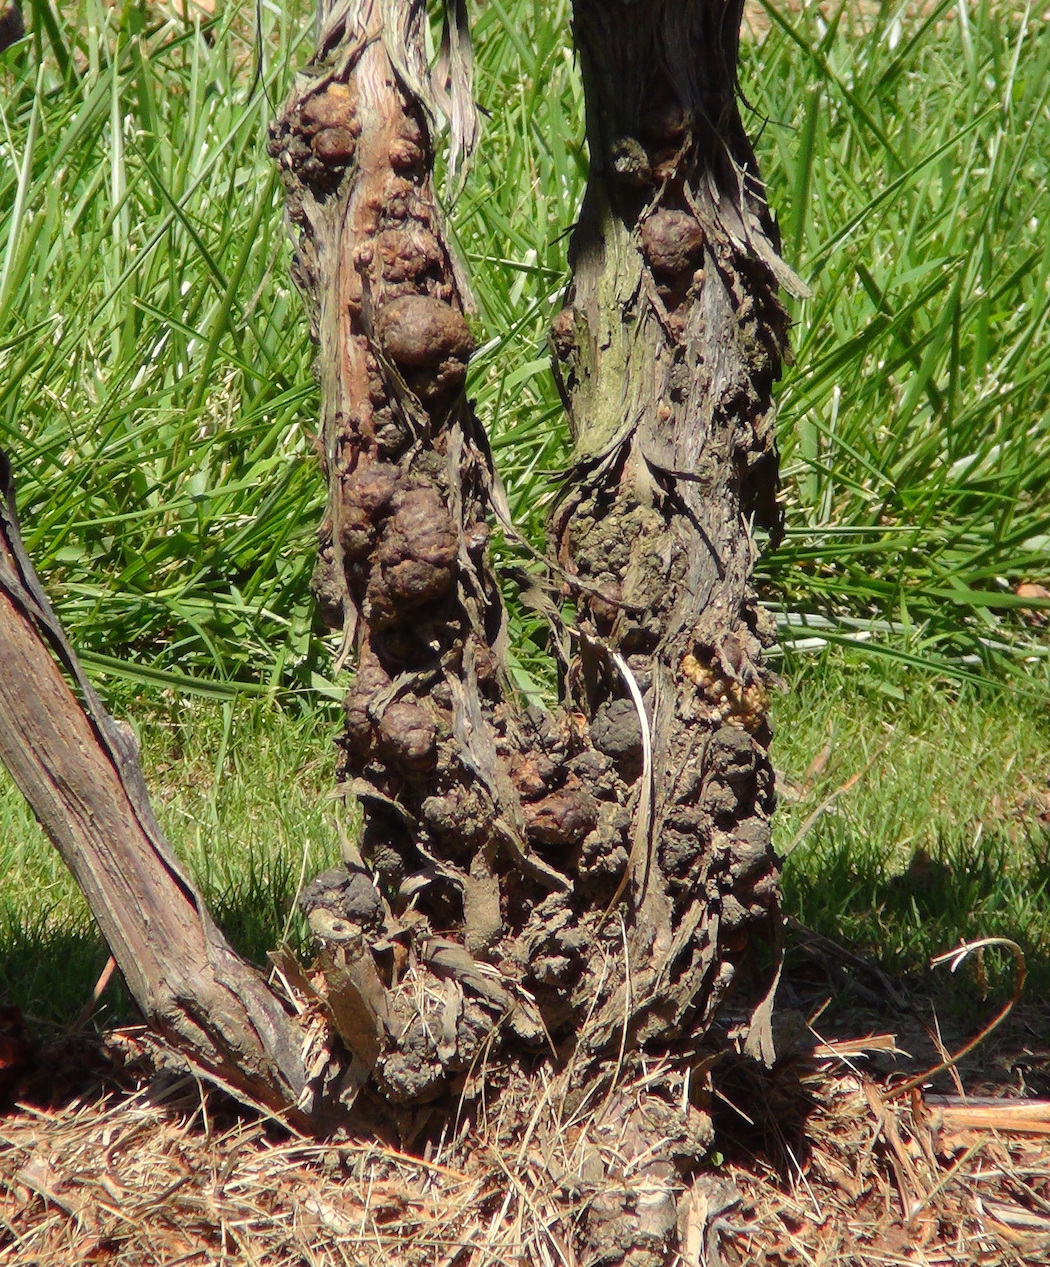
668	346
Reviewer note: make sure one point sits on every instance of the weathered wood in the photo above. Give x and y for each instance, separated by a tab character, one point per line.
79	771
470	817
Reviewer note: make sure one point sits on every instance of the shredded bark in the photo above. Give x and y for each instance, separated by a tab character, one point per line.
546	887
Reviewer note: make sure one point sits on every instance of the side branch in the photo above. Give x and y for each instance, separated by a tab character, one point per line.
79	771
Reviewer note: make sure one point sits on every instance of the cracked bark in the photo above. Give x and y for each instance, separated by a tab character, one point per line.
668	347
529	877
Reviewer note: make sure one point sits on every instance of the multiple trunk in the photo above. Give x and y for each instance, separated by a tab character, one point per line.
594	874
584	881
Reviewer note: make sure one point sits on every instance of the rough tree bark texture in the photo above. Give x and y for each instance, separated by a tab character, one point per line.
593	875
669	345
79	771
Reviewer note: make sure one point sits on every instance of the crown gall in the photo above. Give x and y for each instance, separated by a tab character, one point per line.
331	109
673	242
409	734
415	559
420	332
334	146
563	818
665	123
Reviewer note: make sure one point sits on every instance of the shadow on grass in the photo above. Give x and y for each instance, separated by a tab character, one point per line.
855	968
63	1051
50	972
962	882
859	940
858	960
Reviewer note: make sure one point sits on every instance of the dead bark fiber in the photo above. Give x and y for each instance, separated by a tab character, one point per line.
79	771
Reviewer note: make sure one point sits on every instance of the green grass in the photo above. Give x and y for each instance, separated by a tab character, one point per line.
155	388
914	817
910	165
155	392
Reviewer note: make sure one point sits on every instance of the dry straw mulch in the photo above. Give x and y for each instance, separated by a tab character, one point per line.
166	1173
881	1180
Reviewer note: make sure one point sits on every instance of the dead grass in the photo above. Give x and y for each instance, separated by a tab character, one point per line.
164	1171
884	1186
931	1180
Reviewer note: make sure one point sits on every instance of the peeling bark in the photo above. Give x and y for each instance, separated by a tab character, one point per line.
597	873
79	771
468	806
668	347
